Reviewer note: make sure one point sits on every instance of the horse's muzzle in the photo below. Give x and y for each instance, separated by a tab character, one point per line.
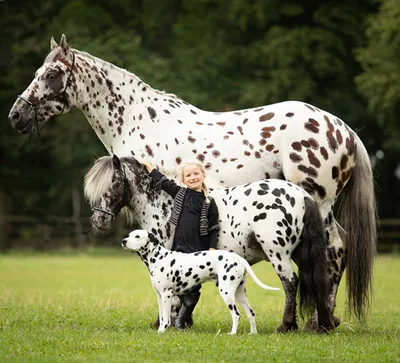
21	117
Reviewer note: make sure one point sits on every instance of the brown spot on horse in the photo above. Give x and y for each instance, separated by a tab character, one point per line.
296	158
313	159
267	116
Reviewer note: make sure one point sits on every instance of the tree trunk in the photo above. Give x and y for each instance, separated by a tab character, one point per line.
5	225
76	217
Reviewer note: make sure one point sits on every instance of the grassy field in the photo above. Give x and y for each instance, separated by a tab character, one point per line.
92	307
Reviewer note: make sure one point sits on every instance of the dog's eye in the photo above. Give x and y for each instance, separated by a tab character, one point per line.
137	236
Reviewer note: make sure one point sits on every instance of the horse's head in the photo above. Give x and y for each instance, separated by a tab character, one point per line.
108	191
51	92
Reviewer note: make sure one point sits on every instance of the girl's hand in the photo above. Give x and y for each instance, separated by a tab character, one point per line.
212	249
147	164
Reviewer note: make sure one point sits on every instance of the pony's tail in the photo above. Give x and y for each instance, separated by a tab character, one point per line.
357	215
312	262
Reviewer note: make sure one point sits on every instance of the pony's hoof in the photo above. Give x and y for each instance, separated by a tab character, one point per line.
284	328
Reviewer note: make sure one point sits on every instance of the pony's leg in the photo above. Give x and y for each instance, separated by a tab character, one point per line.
241	298
228	295
290	282
336	267
165	311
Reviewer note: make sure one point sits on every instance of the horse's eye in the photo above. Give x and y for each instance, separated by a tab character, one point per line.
51	76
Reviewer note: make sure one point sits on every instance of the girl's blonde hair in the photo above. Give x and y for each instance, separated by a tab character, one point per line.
204	187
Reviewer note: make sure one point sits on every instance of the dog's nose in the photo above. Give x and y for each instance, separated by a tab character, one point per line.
124	242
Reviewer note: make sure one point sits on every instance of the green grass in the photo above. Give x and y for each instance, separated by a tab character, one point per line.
92	307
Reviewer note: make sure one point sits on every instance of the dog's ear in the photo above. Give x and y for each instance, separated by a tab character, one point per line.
153	238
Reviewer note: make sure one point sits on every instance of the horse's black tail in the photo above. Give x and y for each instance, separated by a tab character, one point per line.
312	262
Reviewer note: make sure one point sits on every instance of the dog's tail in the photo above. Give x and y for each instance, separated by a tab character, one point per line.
250	271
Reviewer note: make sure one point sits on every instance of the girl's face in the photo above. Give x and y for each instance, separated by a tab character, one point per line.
193	177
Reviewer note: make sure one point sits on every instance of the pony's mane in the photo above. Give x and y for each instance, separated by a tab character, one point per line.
98	179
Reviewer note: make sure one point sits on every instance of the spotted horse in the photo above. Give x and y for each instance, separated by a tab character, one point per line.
174	273
290	140
271	220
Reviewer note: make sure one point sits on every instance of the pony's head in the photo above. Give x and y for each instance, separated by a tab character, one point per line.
107	191
51	93
139	239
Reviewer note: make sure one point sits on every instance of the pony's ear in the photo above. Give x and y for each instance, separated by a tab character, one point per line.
64	45
116	162
95	157
53	44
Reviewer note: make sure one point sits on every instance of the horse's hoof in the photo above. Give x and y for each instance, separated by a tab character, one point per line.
156	324
324	330
311	325
336	321
284	328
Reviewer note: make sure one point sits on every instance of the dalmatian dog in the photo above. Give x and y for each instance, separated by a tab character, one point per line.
174	273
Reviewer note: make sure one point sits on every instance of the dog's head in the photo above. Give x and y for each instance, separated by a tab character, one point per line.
138	239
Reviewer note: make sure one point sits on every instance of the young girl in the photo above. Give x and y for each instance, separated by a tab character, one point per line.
195	216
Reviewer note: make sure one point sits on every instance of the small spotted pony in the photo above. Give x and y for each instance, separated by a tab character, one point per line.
270	220
291	140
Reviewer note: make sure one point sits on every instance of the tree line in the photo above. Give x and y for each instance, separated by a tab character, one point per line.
342	56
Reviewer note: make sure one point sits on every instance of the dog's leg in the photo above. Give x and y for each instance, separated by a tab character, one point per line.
228	295
156	324
160	307
165	313
241	298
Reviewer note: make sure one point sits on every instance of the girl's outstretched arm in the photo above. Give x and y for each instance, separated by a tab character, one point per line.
168	185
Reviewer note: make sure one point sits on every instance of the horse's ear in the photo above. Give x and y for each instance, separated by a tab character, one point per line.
53	44
64	45
116	162
95	157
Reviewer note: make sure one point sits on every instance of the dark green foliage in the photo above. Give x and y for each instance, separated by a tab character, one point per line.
218	55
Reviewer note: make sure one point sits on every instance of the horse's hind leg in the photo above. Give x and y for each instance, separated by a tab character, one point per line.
241	298
336	266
